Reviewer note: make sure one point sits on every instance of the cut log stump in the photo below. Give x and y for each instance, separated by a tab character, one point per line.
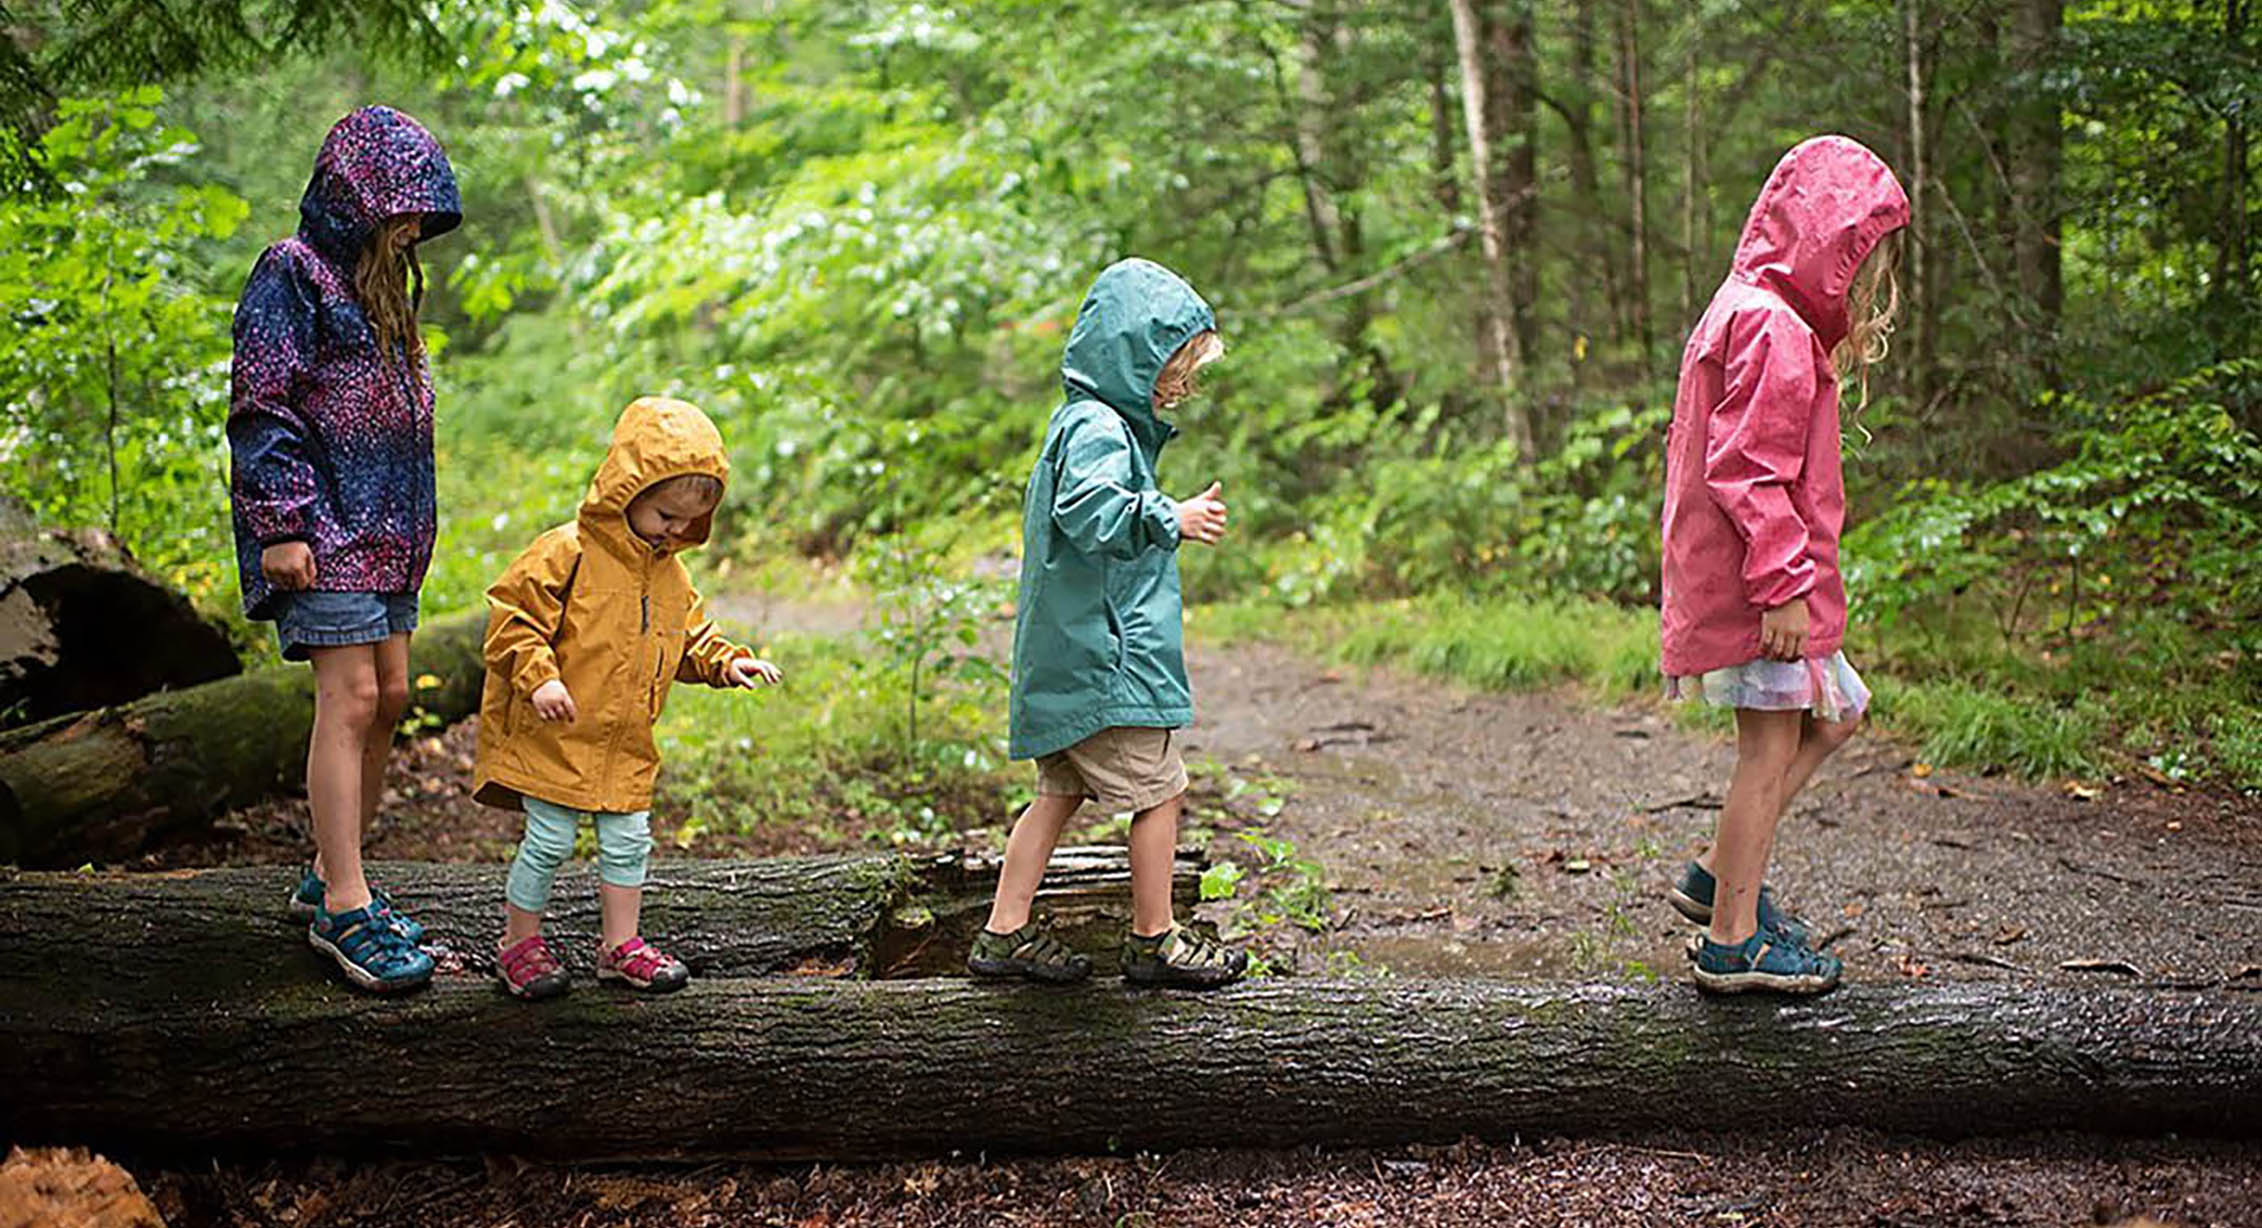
82	626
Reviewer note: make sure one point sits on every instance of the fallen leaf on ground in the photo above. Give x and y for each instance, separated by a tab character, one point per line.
2009	934
2121	966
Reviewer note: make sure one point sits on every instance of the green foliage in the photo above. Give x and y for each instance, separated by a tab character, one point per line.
113	367
830	744
2157	509
928	626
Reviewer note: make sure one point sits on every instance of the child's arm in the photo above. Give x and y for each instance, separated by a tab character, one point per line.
1094	502
273	484
1755	448
524	608
710	657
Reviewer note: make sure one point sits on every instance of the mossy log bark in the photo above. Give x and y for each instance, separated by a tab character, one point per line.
800	1067
196	938
103	785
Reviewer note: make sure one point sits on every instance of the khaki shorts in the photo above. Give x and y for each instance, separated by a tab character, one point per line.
1122	768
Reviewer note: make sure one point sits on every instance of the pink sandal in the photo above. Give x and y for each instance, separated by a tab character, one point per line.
642	967
529	971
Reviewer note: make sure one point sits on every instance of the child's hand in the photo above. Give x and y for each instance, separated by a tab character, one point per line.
553	702
288	565
1782	631
1202	518
745	671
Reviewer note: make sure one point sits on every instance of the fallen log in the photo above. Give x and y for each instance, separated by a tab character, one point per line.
106	784
196	939
800	1067
83	626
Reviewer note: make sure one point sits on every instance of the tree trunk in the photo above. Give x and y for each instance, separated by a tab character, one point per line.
1498	323
1511	106
2034	160
1920	301
83	626
802	1068
106	784
1696	219
225	931
1586	189
1637	172
2233	265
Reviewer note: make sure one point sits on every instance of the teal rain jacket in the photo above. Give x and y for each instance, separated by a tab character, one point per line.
1096	638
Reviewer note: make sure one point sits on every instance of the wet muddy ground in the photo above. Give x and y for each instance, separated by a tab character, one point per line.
1837	1178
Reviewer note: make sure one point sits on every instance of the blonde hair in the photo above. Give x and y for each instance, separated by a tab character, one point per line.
390	284
1176	382
705	487
1872	304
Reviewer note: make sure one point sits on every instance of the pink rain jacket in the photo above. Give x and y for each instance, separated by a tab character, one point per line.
1754	498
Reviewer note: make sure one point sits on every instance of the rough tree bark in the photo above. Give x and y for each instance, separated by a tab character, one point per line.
1915	255
2035	154
1499	325
801	1067
83	626
225	931
1636	164
105	784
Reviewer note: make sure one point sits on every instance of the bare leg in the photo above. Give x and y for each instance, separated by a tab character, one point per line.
1766	744
392	702
346	700
1026	852
1818	740
519	925
1154	853
621	909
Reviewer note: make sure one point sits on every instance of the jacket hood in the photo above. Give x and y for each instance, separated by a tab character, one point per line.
1134	318
376	163
657	438
1824	209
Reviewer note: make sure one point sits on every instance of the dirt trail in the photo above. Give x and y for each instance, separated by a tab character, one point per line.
1520	834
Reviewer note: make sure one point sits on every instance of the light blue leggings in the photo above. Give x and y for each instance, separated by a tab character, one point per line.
624	846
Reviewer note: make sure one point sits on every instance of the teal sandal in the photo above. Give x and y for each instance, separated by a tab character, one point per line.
1030	953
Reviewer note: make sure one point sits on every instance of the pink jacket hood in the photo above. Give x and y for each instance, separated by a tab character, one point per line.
1824	209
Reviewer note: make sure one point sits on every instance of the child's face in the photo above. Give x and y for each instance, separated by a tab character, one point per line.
664	515
403	232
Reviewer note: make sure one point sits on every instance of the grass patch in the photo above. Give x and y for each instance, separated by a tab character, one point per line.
827	760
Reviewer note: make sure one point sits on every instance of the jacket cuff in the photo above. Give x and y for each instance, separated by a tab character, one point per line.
1161	515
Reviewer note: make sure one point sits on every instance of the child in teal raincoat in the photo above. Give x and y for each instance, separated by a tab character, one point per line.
1099	678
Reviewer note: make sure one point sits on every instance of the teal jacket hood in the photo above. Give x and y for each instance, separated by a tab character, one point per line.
1134	318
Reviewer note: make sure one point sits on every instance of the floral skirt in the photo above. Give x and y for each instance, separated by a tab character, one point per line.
1825	686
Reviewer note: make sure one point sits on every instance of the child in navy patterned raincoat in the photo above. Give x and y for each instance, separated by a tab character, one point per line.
330	432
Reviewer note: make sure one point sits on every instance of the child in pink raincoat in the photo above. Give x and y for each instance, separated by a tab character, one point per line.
1754	606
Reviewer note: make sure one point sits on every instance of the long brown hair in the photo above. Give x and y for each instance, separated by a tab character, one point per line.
1872	304
389	281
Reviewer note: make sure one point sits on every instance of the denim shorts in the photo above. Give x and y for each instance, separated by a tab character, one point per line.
333	620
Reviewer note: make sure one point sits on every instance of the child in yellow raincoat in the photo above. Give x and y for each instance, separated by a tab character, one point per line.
586	632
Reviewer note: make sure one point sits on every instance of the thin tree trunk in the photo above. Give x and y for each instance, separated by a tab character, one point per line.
2035	158
1920	341
1513	116
1692	170
2232	263
1637	170
1507	363
1586	189
734	83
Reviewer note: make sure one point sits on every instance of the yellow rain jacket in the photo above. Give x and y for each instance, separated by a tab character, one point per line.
617	619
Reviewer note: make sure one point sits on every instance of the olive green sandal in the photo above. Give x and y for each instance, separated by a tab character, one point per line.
1030	953
1181	958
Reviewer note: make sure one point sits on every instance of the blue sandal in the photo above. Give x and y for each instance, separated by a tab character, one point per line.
306	900
1692	898
1765	961
369	949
